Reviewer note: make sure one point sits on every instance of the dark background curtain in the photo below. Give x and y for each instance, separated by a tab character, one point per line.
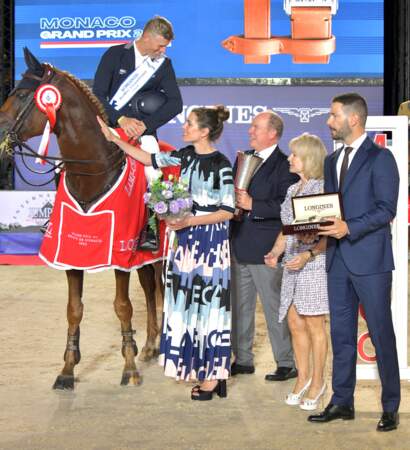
396	54
6	77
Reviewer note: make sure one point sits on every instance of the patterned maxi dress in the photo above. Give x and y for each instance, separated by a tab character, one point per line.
305	288
195	339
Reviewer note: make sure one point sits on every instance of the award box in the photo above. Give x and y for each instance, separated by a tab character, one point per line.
312	211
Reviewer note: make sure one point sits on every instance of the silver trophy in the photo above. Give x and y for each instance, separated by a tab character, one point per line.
246	167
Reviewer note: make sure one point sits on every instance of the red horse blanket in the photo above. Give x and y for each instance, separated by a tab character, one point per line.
107	235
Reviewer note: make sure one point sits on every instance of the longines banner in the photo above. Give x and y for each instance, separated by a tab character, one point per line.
303	109
73	34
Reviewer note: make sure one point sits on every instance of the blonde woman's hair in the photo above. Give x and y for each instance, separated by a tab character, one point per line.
311	150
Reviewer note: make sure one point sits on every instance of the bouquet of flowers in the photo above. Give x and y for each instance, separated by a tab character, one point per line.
168	199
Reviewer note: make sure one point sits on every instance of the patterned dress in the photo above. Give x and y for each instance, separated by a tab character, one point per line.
305	288
196	327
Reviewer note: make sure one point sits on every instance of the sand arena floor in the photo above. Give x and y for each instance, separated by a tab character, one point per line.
100	414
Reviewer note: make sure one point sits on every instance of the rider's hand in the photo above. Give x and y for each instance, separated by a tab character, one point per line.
133	128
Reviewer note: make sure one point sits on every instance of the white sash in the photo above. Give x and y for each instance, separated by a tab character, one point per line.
135	81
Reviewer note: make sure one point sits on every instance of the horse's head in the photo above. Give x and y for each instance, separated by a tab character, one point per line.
19	115
82	146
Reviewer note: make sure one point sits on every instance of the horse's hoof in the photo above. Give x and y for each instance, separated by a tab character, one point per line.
148	353
64	383
132	378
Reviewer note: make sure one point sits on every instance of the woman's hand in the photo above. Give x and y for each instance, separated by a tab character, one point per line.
298	262
109	135
271	259
178	224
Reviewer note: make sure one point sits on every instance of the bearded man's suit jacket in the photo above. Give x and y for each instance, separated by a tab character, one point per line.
359	269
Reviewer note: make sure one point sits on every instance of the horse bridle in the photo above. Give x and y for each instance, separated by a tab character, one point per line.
11	139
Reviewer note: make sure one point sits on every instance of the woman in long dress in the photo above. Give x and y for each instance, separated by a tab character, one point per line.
195	340
304	299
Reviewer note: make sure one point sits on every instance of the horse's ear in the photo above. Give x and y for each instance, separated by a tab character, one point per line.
33	65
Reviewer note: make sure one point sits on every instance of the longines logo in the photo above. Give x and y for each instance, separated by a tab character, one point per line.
304	114
243	114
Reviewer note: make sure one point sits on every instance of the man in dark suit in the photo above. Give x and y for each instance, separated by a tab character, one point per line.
153	89
360	259
251	239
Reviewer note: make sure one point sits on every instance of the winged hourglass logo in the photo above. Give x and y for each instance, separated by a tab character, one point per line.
304	114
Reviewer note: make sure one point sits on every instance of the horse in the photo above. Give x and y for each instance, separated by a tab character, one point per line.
91	166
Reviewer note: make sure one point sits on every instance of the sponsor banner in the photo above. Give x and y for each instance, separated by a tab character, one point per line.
73	35
22	215
26	243
25	210
303	109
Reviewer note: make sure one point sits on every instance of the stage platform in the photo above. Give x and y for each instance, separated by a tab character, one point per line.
21	260
20	248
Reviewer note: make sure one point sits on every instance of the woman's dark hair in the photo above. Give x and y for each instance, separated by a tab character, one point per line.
213	119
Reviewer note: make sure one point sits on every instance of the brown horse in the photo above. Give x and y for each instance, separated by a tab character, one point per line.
91	167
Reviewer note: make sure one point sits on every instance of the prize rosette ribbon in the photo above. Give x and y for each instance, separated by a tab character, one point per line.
48	100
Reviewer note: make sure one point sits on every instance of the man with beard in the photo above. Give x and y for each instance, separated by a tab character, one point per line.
359	259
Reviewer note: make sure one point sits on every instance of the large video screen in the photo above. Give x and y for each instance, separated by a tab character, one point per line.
303	109
73	34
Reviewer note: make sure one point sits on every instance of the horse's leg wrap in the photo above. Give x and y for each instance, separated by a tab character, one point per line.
128	341
73	345
72	356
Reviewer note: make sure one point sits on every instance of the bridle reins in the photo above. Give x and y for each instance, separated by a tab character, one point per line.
11	141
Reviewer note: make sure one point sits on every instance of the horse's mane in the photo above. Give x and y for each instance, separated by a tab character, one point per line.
86	90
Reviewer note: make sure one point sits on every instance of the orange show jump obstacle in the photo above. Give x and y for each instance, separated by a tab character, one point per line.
311	40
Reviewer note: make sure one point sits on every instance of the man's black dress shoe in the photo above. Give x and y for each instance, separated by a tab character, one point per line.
333	412
388	421
282	374
237	369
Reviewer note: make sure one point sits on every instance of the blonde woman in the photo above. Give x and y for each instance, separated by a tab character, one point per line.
304	287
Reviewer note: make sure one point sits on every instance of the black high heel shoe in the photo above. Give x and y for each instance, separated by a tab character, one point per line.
220	389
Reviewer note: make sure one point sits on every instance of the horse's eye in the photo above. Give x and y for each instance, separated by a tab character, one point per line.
21	95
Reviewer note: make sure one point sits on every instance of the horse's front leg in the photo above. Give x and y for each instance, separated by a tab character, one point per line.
123	309
149	283
72	355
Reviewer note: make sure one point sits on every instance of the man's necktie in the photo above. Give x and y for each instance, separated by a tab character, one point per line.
345	165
